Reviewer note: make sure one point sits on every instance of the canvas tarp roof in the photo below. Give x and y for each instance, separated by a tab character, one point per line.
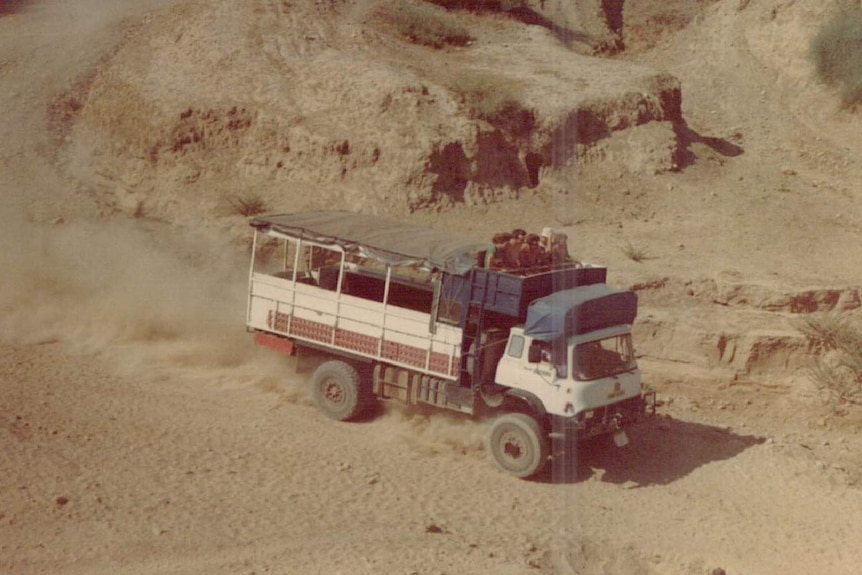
381	238
580	310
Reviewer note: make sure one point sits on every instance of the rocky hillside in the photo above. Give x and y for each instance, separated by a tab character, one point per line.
363	105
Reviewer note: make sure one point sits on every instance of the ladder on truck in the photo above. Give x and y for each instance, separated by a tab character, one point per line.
472	326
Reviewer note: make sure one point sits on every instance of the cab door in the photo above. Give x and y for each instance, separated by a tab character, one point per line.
538	377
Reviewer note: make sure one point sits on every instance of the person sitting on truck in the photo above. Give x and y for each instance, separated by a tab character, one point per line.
545	352
513	249
495	256
554	353
545	238
545	246
530	252
559	249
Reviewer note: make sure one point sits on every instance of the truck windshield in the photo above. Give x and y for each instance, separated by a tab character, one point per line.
604	357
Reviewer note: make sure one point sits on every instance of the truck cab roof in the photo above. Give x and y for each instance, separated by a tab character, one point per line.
580	310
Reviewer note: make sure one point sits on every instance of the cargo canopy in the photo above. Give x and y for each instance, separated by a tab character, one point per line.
579	310
381	238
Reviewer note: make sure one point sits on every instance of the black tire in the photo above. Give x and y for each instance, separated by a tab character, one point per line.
517	444
337	390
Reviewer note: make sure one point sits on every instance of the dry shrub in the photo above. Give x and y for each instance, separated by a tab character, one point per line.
838	371
840	382
837	54
248	205
829	330
634	253
424	24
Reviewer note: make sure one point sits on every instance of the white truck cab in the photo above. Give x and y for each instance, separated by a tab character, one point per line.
577	375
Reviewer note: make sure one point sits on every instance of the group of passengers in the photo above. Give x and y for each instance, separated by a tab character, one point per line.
518	250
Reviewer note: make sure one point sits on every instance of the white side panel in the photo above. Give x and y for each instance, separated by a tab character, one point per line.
363	328
268	290
415	325
407	339
361	310
273	300
316	292
327	319
447	335
260	309
311	306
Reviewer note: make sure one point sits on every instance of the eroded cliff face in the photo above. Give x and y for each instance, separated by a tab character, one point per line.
331	105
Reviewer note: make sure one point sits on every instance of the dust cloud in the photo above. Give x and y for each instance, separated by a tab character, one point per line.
153	297
433	432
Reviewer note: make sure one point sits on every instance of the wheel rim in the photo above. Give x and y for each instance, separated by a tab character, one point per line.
333	392
512	446
515	449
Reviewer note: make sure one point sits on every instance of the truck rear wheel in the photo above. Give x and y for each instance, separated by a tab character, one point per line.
337	390
517	444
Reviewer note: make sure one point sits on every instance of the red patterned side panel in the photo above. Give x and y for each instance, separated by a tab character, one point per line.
404	354
439	362
356	341
365	344
282	321
413	355
389	350
311	330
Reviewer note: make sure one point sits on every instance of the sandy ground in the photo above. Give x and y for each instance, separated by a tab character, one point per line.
141	432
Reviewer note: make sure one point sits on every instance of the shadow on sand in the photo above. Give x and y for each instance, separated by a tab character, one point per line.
660	451
686	137
522	13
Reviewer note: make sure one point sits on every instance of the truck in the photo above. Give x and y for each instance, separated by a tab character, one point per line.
413	314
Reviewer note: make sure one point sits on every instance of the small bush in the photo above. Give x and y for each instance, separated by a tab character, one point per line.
828	330
424	24
633	253
838	372
839	382
248	205
837	54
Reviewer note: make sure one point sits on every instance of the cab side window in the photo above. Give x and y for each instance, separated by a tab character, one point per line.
516	346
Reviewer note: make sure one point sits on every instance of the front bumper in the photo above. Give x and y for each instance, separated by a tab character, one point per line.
603	420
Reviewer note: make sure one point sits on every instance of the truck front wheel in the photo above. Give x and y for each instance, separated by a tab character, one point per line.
337	390
517	444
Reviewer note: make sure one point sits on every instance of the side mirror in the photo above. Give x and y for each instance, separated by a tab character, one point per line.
534	355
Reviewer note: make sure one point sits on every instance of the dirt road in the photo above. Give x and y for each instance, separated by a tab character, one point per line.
199	470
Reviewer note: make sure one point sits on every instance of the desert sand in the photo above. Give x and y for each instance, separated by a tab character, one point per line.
142	432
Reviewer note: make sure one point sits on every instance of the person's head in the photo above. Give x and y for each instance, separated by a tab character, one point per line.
501	239
519	234
532	239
